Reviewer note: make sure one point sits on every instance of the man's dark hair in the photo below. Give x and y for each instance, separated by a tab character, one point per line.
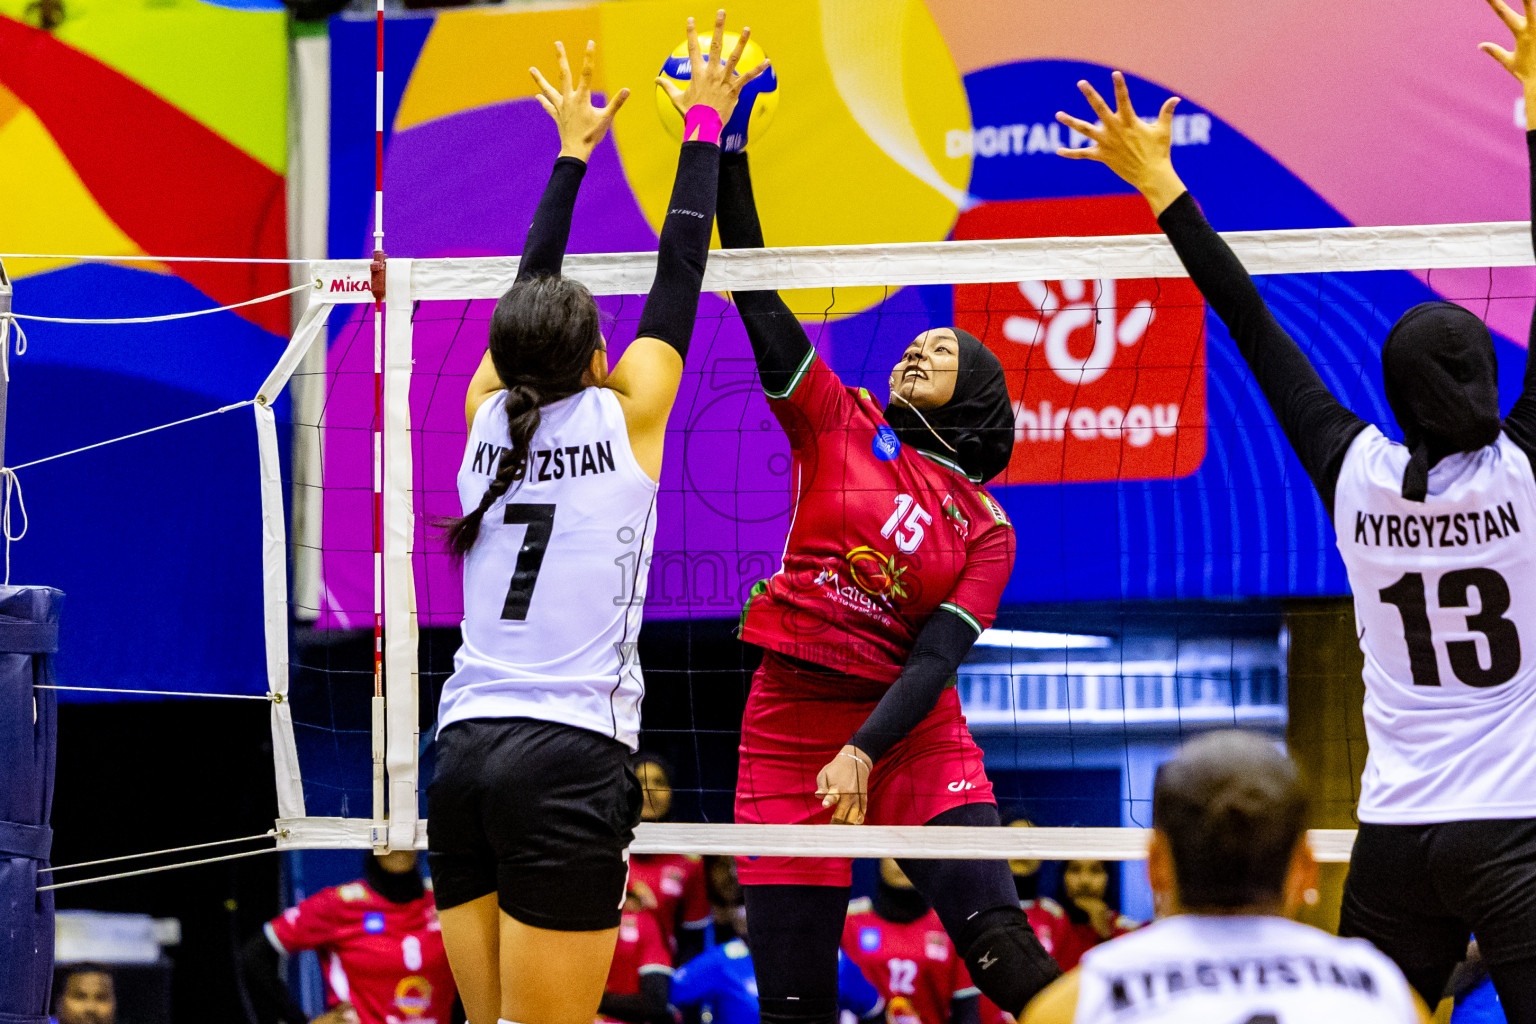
1231	807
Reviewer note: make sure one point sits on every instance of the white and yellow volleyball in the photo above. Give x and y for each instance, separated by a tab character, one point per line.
754	110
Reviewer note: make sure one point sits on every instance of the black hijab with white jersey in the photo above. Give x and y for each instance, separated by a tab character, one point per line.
1442	382
975	425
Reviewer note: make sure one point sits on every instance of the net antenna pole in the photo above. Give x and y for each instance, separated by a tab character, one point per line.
5	351
377	274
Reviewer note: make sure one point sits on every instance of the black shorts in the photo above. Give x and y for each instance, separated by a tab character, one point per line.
1417	892
540	813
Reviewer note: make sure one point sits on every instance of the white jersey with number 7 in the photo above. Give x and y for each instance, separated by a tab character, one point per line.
555	584
1445	605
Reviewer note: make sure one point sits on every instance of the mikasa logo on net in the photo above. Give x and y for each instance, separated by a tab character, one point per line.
347	285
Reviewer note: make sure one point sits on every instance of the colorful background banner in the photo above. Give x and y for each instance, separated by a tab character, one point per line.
1164	478
137	132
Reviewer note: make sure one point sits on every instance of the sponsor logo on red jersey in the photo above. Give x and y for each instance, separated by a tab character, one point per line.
877	574
1107	377
413	996
936	946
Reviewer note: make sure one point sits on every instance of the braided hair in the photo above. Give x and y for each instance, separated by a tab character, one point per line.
543	334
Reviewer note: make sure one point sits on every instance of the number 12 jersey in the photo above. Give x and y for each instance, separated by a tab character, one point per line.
1445	605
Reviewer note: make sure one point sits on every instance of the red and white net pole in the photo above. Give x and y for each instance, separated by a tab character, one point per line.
377	268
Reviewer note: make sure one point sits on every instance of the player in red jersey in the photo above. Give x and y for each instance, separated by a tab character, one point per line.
901	946
380	948
895	562
671	886
1082	918
641	973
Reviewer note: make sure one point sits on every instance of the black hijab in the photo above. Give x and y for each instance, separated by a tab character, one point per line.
977	422
403	887
1442	382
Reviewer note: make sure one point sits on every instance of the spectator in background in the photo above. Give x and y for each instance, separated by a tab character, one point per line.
1080	917
899	943
380	948
641	974
83	993
671	885
730	913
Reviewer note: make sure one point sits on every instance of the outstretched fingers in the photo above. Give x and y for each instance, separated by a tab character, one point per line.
717	41
565	70
1499	54
741	47
673	93
588	65
1165	116
1095	101
613	107
547	93
1507	15
1123	98
1083	128
741	81
695	58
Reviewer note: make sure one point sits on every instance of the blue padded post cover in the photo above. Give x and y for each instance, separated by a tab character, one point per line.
29	631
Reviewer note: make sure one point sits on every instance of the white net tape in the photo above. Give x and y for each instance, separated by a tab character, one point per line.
335	282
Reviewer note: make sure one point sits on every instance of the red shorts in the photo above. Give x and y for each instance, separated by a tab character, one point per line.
797	719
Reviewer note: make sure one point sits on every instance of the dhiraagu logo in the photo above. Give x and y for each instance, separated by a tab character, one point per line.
886	444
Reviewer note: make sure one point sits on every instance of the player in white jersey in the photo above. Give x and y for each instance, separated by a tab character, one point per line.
533	805
1437	538
1229	863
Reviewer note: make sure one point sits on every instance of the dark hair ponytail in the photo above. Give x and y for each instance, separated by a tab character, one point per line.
542	337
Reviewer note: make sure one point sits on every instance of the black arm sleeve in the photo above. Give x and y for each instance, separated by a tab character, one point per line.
261	970
942	644
673	303
650	1004
1521	421
778	341
1319	428
544	249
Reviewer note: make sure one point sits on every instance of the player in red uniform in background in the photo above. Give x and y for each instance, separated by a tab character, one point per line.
670	886
380	948
641	973
895	562
901	946
1081	918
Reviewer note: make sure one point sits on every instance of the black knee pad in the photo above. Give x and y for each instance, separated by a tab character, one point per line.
1005	958
819	1010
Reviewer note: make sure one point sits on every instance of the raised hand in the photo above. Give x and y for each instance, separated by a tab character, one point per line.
1138	151
582	125
1522	61
712	83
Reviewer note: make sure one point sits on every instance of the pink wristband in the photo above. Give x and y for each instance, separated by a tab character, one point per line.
702	124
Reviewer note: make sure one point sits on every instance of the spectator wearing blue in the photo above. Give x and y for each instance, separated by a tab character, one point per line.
722	980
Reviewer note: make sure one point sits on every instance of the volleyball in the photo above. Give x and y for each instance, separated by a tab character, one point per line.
755	109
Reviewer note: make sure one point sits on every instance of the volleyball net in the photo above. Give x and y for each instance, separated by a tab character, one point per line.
1159	513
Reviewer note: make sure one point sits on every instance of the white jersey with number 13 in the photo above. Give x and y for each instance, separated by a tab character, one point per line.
1445	604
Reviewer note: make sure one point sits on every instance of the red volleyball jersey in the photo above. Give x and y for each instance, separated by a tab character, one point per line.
672	887
640	950
386	959
914	965
882	537
1065	939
